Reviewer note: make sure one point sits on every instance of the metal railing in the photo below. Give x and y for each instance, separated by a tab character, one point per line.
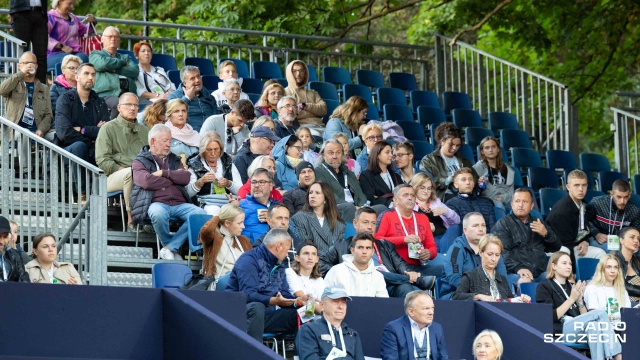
542	105
42	188
625	128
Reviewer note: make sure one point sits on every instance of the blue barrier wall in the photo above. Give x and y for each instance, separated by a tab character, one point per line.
231	306
631	348
538	316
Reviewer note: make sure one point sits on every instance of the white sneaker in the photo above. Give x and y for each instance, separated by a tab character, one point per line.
166	254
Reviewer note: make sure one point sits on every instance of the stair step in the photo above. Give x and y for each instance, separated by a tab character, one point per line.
130	237
128	262
129	279
130	252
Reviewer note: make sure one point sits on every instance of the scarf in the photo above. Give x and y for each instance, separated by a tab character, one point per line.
62	81
227	236
294	161
187	135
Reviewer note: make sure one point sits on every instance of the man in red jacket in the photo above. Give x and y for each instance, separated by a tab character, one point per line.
410	231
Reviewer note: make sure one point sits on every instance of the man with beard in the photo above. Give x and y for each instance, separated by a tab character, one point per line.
334	172
286	123
312	107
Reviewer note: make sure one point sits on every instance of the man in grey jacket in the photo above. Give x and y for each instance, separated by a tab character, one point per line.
231	127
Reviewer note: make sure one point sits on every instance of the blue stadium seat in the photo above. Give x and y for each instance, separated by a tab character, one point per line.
421	149
636	184
430	116
502	120
331	106
525	158
585	268
463	118
168	275
195	222
210	82
283	81
313	73
561	159
591	194
593	163
403	81
370	78
205	65
131	55
412	130
510	138
390	96
349	230
455	100
265	70
337	76
529	289
167	62
241	67
254	97
174	76
635	199
119	193
364	92
58	69
548	198
327	91
372	113
542	177
423	98
466	152
250	85
606	179
399	112
474	135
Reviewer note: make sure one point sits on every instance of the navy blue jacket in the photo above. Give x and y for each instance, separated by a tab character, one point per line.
311	346
397	342
258	274
464	204
200	107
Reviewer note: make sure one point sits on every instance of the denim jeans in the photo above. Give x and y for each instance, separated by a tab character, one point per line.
86	153
605	345
434	267
161	214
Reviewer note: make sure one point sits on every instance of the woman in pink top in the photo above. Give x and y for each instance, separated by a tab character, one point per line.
65	31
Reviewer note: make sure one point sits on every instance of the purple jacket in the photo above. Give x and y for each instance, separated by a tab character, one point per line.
165	187
66	32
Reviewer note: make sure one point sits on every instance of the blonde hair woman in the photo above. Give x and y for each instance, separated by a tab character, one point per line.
606	290
184	139
487	346
268	103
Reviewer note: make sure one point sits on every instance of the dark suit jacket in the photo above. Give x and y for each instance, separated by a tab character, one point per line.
374	188
397	342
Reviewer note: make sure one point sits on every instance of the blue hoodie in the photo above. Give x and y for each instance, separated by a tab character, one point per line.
285	172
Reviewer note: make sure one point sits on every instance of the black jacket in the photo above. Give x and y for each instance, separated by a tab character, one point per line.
294	199
548	292
195	164
476	282
281	130
70	113
524	248
632	290
243	159
390	257
564	218
377	190
56	90
24	5
13	260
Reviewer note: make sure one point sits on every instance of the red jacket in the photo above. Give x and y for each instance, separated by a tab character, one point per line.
391	230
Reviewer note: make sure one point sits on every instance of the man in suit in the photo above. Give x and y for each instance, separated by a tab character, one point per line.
414	336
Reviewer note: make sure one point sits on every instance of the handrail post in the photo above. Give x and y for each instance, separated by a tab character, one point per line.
621	141
98	225
440	85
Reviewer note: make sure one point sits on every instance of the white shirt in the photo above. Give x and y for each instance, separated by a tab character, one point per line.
418	336
227	256
368	282
35	3
452	164
305	284
598	297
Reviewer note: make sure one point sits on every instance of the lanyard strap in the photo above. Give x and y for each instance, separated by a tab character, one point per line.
612	226
415	223
375	247
333	337
564	292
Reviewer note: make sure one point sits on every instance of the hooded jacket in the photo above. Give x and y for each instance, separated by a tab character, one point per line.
284	170
314	107
368	282
212	240
435	165
390	257
505	191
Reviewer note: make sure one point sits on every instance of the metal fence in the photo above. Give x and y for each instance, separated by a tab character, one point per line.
542	105
625	127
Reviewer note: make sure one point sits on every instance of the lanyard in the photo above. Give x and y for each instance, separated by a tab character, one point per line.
333	337
564	292
415	223
346	185
415	344
375	247
613	225
581	209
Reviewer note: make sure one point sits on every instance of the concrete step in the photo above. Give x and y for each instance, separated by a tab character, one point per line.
129	279
129	252
128	262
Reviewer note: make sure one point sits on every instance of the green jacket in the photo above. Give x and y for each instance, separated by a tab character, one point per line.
14	90
434	164
119	142
108	71
322	174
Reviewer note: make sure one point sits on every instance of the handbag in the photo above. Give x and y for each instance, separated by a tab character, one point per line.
199	282
91	42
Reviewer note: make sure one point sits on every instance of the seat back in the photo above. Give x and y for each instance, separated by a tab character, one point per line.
592	163
390	96
327	91
336	75
131	55
349	230
210	82
372	113
525	158
548	198
266	70
398	112
174	76
403	81
241	67
591	193
357	90
412	130
466	152
195	222
429	115
254	97
636	184
423	98
167	275
561	159
455	100
167	62
331	106
635	199
606	179
205	65
499	120
421	149
585	268
463	118
250	85
529	289
313	73
370	78
542	177
283	81
510	138
58	69
474	135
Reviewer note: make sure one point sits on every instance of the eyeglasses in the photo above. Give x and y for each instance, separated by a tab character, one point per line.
399	155
301	71
72	68
260	182
374	137
299	148
29	63
129	105
289	106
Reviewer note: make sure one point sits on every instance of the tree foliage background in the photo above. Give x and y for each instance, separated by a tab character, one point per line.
590	45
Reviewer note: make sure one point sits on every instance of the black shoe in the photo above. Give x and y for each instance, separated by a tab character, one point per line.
425	282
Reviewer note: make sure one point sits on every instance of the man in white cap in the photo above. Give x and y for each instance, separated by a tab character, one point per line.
329	337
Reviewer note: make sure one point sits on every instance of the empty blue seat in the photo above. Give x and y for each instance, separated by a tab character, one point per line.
313	73
585	268
399	112
430	116
349	230
593	163
591	194
336	75
466	118
635	199
168	275
327	91
390	96
606	179
283	81
195	222
525	158
174	76
529	289
241	67
250	85
403	81
205	65
412	130
502	120
561	159
372	113
542	177
131	55
370	78
455	100
265	70
256	97
167	62
423	98
364	92
636	184
210	82
510	138
421	149
548	198
331	106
